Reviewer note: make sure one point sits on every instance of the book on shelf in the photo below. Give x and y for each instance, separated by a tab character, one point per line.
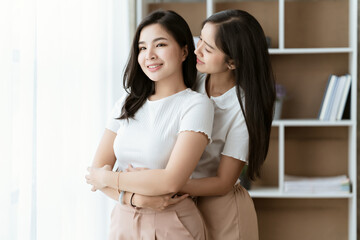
346	111
335	98
317	185
345	97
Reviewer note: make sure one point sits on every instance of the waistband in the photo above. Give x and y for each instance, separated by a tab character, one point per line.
237	188
186	204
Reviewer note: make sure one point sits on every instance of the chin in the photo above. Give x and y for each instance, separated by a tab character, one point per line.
154	79
201	67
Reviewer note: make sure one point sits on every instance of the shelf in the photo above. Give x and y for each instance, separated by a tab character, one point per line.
310	39
303	218
264	192
305	78
276	51
186	10
273	192
319	23
312	123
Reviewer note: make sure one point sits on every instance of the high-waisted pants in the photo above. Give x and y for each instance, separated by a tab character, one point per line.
181	221
229	217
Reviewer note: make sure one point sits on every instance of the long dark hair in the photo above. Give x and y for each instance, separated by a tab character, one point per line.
241	38
136	83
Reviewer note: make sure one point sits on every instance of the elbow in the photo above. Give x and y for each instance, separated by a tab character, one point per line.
173	186
225	189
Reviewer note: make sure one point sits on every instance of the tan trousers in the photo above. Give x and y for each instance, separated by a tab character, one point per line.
230	217
182	221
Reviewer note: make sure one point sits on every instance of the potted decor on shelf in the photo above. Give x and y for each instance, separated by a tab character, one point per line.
280	96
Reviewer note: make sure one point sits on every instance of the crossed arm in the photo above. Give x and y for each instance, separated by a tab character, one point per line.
227	174
183	160
106	181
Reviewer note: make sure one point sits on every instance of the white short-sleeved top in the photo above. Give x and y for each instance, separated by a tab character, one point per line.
230	136
148	139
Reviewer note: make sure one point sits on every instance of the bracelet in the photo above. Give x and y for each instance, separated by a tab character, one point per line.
121	197
131	203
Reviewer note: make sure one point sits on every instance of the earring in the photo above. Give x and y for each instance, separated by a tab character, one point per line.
231	67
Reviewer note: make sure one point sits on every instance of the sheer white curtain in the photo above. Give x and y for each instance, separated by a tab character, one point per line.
61	64
17	42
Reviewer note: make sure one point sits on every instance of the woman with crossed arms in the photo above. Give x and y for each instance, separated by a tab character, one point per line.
161	124
233	55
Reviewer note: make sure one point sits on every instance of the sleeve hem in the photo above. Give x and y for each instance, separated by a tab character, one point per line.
111	129
197	131
236	157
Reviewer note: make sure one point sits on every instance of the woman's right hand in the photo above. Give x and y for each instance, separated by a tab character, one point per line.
95	177
157	203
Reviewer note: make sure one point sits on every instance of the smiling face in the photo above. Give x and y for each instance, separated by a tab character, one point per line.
160	56
210	59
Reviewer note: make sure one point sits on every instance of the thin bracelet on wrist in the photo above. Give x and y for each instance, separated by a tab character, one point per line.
131	203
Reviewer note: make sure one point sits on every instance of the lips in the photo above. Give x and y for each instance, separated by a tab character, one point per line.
154	67
199	61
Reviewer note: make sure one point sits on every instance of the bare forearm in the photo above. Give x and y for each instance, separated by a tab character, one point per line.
135	199
184	157
157	203
111	193
148	182
227	174
211	186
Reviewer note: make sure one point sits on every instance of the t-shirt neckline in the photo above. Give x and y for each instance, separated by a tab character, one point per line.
168	97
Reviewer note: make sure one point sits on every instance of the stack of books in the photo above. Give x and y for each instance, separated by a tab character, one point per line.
317	185
335	98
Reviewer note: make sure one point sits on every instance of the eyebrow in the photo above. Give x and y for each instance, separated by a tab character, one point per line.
155	40
207	43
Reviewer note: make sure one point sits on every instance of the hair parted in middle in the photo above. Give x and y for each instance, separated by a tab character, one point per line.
138	86
242	39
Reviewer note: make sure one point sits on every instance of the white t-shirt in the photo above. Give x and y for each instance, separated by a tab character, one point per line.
148	139
230	136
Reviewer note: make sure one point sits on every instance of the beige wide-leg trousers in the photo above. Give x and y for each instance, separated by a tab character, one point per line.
182	221
230	217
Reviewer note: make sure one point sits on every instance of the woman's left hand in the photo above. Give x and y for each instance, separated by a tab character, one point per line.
96	177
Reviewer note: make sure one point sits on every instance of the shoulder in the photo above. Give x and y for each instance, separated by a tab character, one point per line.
197	113
198	98
197	104
236	118
234	110
120	102
119	105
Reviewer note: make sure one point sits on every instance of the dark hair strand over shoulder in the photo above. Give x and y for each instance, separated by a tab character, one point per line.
242	39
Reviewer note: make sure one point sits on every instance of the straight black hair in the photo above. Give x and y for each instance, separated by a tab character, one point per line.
136	83
241	38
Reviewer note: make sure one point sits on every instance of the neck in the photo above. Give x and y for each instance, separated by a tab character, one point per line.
219	83
168	87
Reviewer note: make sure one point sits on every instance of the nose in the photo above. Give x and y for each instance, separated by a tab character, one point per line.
198	49
150	54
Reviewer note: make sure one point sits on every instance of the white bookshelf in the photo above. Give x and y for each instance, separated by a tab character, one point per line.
303	56
311	123
274	192
309	50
